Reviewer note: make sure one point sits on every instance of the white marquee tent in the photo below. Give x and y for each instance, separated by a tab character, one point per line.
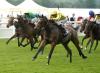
9	9
27	6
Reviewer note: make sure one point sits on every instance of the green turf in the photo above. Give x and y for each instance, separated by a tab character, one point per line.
15	59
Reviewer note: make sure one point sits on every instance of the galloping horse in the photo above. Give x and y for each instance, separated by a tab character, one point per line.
18	29
83	25
92	30
24	29
52	34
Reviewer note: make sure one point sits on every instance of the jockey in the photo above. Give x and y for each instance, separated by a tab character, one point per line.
97	18
57	16
91	16
32	17
60	20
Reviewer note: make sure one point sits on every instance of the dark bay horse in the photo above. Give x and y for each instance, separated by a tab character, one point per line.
83	25
92	31
20	29
52	34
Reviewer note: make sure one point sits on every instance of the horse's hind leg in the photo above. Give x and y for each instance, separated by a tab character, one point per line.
51	51
85	37
24	45
68	51
96	45
88	43
76	43
31	43
92	41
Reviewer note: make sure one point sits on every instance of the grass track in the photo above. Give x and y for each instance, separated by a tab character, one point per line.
15	59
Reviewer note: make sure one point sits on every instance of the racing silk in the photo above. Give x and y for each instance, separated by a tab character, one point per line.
31	15
91	18
97	18
58	17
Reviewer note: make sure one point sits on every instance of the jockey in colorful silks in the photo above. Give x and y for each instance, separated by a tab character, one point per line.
60	20
91	16
32	17
58	17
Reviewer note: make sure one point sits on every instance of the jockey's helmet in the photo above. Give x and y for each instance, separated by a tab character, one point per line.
91	13
54	12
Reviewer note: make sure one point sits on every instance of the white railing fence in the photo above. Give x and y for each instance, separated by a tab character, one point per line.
4	31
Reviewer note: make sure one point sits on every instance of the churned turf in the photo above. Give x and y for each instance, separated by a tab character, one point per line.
14	59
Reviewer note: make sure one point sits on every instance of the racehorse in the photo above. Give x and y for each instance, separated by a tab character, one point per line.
83	25
52	34
91	29
24	29
18	29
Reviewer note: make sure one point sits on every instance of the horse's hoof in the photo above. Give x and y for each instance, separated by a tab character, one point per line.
35	47
84	57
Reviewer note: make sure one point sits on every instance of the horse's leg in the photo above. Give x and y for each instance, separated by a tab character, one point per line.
68	51
85	37
88	43
76	43
92	41
18	41
31	42
11	38
42	45
51	51
24	45
96	45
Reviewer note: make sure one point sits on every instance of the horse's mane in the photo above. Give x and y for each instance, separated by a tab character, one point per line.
52	22
58	26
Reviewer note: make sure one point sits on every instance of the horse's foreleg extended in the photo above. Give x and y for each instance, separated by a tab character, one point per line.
92	41
51	51
14	36
42	45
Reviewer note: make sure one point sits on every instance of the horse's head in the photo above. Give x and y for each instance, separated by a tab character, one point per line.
20	18
83	25
10	21
89	27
